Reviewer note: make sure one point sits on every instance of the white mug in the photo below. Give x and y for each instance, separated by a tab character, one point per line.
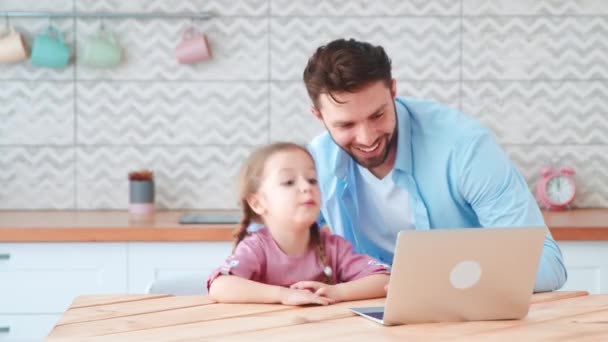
12	47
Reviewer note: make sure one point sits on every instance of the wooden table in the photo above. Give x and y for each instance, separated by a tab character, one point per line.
557	316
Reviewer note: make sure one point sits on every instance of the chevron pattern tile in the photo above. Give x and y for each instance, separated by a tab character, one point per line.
545	48
528	7
534	72
185	177
29	28
420	48
37	177
36	5
531	113
589	161
363	8
218	7
291	119
239	48
290	116
37	113
446	92
176	113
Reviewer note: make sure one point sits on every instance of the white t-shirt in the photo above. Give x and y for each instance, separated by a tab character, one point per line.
387	207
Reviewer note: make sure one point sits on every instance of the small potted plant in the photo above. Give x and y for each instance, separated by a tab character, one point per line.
141	192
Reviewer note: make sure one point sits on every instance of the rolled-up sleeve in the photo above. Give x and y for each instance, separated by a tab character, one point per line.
500	197
246	262
351	265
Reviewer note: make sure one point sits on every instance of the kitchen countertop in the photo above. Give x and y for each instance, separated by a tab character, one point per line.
106	226
118	225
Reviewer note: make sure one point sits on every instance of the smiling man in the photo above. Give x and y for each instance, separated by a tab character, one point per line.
388	163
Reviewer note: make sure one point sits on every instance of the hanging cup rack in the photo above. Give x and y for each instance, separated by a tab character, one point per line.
108	15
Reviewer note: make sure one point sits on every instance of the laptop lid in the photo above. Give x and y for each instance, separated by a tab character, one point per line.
463	274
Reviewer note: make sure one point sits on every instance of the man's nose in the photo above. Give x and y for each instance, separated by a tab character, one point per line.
365	135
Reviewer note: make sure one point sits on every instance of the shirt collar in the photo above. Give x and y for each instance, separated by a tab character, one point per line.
403	158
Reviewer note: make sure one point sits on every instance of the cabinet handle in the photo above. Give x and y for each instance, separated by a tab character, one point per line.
5	329
5	256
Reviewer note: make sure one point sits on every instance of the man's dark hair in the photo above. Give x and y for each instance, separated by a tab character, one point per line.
345	66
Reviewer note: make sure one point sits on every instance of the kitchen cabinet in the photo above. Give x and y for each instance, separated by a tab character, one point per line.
38	281
587	265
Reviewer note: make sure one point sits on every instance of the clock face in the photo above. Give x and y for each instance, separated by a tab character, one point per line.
559	189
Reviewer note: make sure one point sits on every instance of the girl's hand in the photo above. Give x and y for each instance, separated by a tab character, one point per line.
318	288
293	296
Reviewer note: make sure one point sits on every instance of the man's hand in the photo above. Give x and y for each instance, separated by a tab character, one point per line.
318	288
294	296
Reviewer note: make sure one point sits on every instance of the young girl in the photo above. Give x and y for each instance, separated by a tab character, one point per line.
289	260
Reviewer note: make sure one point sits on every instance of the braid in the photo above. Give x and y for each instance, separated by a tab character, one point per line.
315	239
240	232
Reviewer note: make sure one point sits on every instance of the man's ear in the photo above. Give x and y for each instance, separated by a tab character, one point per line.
255	204
316	112
393	88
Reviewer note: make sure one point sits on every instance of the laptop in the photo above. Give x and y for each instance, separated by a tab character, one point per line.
450	275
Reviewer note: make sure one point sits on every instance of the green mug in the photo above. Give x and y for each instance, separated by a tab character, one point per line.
50	50
101	50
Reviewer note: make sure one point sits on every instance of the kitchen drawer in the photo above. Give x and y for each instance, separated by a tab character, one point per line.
26	327
44	278
151	261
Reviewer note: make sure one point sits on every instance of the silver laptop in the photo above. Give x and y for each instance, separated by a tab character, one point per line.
447	275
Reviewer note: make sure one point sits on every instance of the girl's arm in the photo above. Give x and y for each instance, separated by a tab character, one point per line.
371	286
234	289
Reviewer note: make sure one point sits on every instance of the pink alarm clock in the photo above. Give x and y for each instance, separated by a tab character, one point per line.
556	188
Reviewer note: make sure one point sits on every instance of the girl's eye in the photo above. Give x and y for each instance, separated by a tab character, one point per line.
312	181
287	183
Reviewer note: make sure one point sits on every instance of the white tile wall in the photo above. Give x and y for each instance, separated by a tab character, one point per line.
535	72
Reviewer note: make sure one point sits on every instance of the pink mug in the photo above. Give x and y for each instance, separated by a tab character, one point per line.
193	47
12	47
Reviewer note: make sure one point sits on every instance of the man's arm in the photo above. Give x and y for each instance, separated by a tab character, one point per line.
500	197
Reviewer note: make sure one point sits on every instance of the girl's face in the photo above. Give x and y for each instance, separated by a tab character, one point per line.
289	193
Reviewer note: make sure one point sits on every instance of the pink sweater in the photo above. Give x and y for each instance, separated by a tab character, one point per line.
259	258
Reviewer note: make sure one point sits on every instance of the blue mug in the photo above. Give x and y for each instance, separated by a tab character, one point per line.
50	50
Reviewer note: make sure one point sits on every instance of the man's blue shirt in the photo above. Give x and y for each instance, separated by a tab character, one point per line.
456	174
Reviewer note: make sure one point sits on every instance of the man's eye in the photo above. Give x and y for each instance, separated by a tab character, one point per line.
377	116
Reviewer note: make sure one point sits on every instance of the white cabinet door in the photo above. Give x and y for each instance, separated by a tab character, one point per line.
587	265
21	328
44	278
151	261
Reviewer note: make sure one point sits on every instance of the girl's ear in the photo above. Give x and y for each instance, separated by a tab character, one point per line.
256	204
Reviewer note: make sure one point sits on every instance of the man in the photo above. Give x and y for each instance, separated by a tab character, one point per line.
387	164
